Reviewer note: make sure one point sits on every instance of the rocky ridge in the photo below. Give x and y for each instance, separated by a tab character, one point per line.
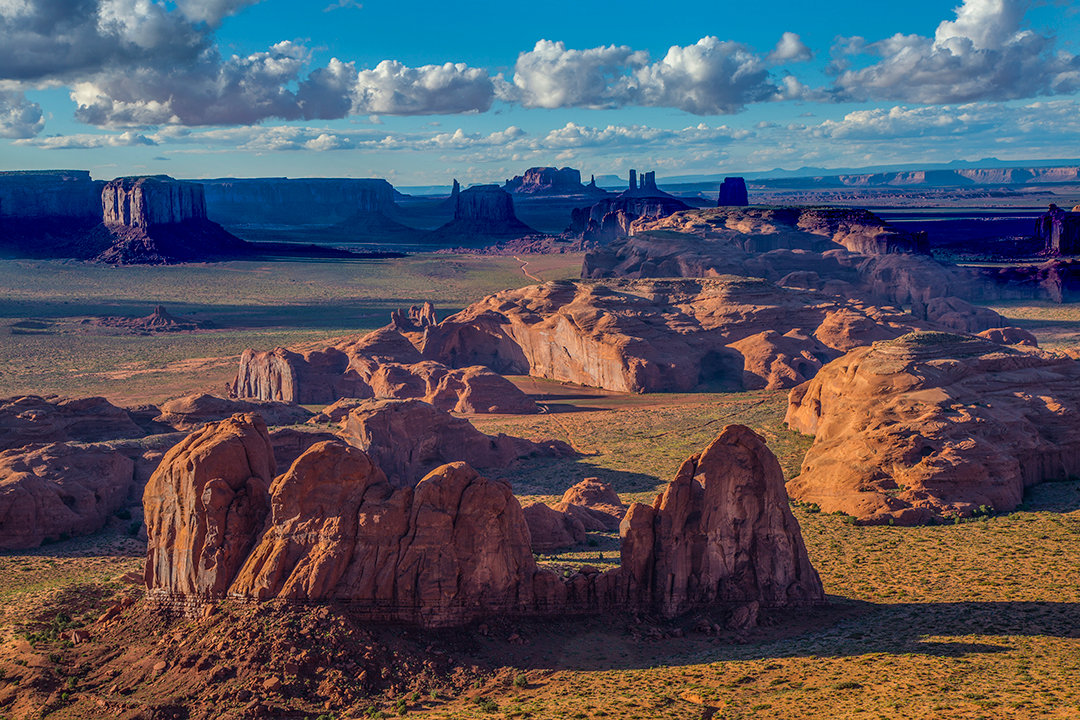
932	426
456	547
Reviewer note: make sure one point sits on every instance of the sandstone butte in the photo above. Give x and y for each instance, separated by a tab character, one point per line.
840	251
932	426
385	364
726	333
455	547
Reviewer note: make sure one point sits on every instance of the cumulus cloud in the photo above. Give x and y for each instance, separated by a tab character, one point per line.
707	78
392	88
84	141
907	122
790	49
984	54
19	118
56	39
212	12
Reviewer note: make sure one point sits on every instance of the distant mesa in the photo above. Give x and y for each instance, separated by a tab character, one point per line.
1058	231
159	321
612	218
482	214
455	547
297	201
539	181
733	192
933	426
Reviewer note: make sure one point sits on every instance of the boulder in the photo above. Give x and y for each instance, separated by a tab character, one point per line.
33	419
932	426
595	503
551	529
1010	336
49	492
205	505
191	411
733	192
407	438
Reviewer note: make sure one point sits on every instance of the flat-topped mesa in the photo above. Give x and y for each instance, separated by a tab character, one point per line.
723	333
67	194
931	426
1059	231
144	202
733	192
456	547
551	181
299	201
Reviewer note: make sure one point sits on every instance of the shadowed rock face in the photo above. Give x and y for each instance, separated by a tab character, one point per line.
661	335
299	201
69	194
143	202
1059	231
934	425
456	547
482	213
550	181
56	490
733	192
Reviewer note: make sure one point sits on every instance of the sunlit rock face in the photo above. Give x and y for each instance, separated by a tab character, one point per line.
142	202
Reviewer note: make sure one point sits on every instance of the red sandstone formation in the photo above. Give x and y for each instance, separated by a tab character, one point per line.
33	419
933	425
160	320
952	313
48	492
661	335
381	364
406	438
551	529
205	505
456	546
595	503
191	411
1010	336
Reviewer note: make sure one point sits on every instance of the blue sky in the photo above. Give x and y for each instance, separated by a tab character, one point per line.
421	92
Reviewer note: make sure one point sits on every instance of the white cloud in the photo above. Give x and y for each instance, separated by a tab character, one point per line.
84	141
19	118
707	78
985	54
212	12
790	48
392	88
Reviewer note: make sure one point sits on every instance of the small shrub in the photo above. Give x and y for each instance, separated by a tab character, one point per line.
487	704
520	681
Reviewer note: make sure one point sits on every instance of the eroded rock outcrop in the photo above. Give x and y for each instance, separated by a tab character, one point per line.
934	425
952	313
595	503
381	364
297	201
142	202
33	419
407	438
456	547
661	335
538	181
551	529
1058	231
48	492
191	411
205	506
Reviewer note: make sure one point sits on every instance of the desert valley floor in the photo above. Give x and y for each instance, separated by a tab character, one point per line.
967	620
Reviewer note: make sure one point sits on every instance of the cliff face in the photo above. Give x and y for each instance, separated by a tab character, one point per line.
142	202
285	201
57	194
456	547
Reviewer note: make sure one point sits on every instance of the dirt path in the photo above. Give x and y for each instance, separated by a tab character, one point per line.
525	272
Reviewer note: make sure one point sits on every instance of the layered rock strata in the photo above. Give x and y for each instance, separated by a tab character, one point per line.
383	364
661	335
456	547
932	426
300	201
